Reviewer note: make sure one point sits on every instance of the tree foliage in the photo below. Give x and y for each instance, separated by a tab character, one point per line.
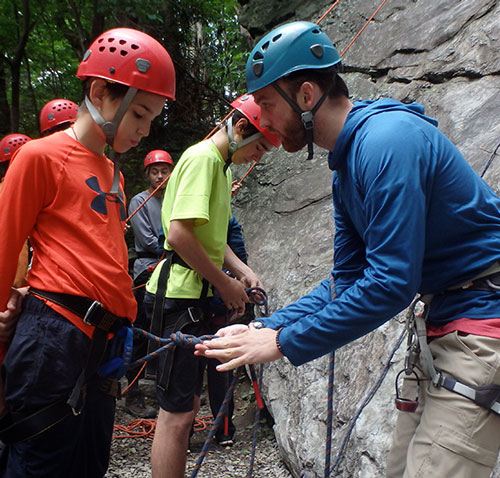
43	42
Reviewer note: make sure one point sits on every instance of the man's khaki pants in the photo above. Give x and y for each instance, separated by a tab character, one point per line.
449	436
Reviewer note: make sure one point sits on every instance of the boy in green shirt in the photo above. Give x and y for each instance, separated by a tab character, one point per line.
195	214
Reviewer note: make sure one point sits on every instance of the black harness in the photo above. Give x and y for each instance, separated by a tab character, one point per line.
164	326
104	322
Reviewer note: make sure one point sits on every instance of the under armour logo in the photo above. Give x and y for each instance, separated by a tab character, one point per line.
99	203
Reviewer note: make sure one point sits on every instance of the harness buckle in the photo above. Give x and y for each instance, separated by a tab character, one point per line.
192	312
94	308
437	379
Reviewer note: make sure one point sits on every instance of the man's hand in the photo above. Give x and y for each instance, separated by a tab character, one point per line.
250	346
8	318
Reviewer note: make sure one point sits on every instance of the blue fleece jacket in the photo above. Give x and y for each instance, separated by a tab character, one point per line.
411	216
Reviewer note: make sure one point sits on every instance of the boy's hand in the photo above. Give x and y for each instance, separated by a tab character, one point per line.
8	318
233	295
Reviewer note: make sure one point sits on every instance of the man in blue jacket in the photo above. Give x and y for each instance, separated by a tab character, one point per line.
411	217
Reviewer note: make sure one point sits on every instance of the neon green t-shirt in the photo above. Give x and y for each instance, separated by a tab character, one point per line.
197	189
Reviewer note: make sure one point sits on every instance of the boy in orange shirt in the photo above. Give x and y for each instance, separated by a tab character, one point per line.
61	409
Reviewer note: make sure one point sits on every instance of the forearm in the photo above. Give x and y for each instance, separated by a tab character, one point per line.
315	300
234	265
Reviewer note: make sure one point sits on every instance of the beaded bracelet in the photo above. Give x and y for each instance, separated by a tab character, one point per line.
278	345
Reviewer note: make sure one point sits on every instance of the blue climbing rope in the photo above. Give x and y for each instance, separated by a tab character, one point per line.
366	401
329	416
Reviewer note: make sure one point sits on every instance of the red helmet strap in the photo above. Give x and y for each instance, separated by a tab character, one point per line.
109	128
233	145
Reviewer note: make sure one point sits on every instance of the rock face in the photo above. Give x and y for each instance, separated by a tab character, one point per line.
445	56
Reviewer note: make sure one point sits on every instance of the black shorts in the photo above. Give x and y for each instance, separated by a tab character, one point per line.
186	374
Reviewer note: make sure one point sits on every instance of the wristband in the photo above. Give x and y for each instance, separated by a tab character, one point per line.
277	341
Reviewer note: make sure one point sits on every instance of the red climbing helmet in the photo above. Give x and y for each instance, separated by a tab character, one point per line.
57	113
246	105
10	144
132	58
157	156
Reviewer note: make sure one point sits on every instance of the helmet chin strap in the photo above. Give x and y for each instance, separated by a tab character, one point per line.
307	117
109	128
233	145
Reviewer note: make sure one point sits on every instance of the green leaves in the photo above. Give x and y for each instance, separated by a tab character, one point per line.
202	36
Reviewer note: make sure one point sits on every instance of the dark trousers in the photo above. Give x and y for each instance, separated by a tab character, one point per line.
44	360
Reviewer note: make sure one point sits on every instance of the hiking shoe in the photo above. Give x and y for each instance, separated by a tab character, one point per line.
136	406
226	441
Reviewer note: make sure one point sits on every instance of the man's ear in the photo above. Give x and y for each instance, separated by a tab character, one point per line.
98	92
305	96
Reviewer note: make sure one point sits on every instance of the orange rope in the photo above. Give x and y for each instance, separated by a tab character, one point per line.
148	198
217	127
248	172
145	428
364	26
327	12
139	286
135	379
140	428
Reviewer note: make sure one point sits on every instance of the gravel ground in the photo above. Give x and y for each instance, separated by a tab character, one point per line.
130	456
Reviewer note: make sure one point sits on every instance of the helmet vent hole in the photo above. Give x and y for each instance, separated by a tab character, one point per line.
112	49
123	52
265	46
316	31
134	46
111	40
276	38
100	40
258	56
101	48
122	42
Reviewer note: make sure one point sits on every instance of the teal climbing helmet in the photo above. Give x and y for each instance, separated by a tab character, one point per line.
290	47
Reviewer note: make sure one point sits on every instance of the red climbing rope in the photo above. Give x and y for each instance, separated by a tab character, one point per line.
320	19
362	29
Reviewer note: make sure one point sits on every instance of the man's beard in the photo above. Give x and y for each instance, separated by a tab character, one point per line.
293	138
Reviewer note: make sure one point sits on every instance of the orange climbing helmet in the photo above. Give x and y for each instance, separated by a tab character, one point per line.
157	156
10	144
246	105
132	58
57	113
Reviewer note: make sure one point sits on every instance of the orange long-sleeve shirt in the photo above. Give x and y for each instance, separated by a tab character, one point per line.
56	192
22	262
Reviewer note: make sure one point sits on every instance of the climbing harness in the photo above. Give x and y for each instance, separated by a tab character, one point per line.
259	297
104	322
487	396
